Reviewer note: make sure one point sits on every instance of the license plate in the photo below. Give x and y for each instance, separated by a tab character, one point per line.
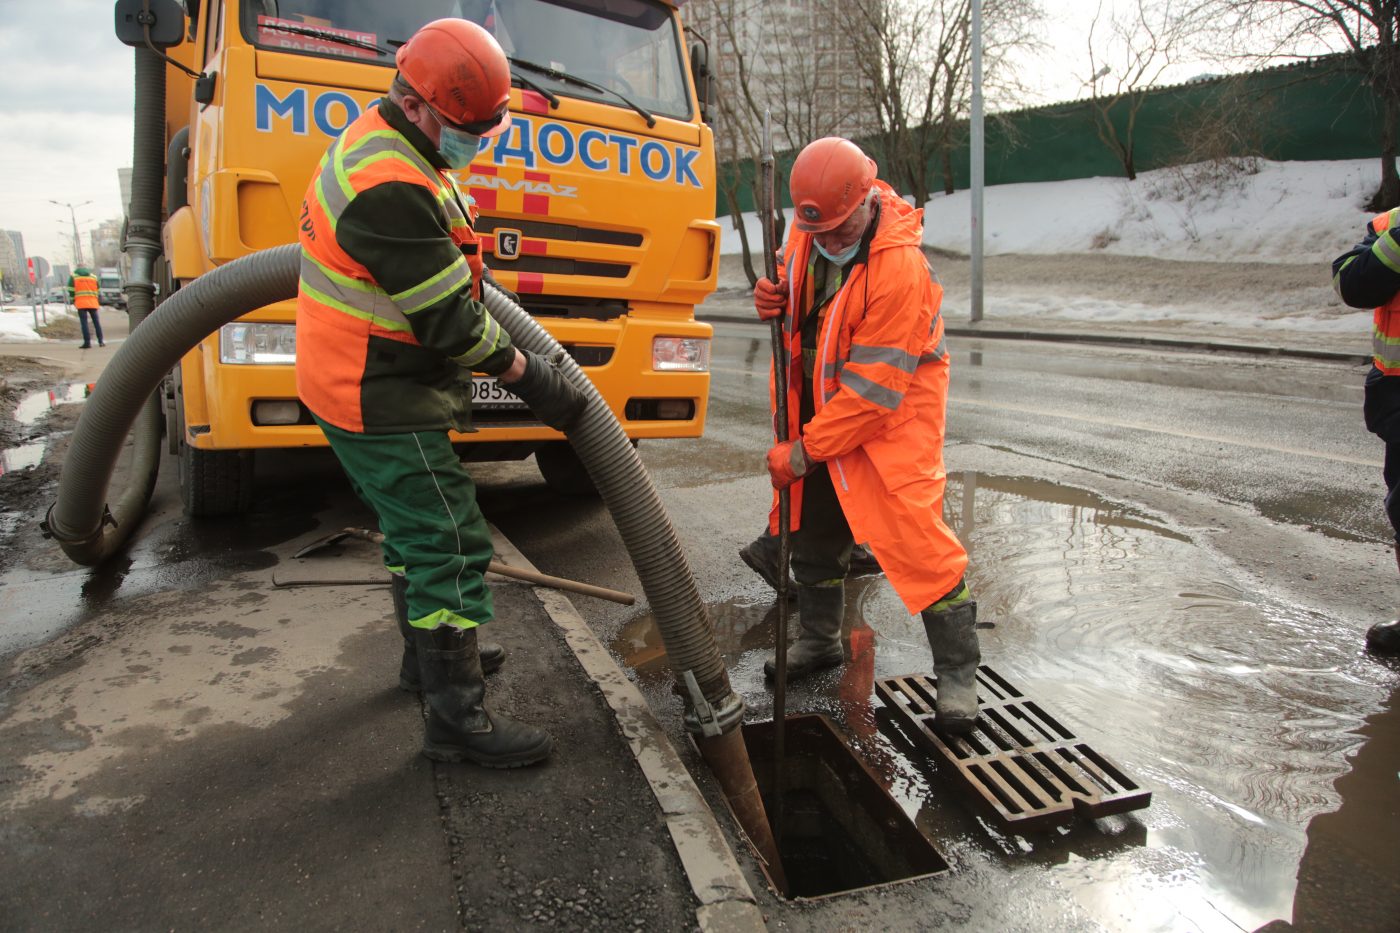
487	392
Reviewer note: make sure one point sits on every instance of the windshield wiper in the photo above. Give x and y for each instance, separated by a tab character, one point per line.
558	75
325	35
546	94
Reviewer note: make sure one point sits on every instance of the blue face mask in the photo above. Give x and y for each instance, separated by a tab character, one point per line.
841	258
458	148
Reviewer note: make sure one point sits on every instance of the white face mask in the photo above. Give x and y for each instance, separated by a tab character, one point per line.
458	148
841	258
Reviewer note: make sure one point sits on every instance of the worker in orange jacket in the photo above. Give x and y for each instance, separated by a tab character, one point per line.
867	390
1368	276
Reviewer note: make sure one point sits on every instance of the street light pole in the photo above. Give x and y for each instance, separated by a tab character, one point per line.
73	215
976	169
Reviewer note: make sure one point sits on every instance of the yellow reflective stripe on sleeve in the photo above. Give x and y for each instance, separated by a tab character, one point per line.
1337	277
489	343
435	289
1386	250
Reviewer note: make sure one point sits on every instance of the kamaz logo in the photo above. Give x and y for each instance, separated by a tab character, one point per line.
531	143
528	187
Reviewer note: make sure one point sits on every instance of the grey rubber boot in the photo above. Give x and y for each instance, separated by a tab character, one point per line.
459	727
492	655
952	636
761	554
819	613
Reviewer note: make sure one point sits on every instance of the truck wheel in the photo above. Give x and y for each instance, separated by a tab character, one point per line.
215	482
563	471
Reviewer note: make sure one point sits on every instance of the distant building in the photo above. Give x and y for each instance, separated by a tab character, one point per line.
107	244
61	273
124	181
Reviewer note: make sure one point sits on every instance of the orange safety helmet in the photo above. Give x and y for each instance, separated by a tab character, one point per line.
829	180
460	70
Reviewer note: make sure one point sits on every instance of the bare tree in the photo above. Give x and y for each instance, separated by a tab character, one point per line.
1128	52
917	75
774	57
1365	29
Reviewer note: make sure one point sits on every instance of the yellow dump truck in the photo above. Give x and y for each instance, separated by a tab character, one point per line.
597	209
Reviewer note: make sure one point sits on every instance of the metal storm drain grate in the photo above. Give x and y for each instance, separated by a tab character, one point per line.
1032	770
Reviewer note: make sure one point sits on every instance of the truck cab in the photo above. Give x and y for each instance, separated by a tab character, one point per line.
597	209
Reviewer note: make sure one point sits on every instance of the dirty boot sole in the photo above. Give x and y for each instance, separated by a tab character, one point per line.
768	571
455	754
954	725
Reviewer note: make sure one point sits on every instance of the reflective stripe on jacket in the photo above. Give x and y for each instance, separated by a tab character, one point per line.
355	339
85	291
881	391
1385	328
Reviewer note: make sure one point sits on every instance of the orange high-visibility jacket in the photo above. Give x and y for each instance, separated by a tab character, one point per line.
85	291
1385	333
354	366
881	391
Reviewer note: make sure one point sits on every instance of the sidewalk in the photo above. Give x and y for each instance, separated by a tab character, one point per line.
735	305
200	759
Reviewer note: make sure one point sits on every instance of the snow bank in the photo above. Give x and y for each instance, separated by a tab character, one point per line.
17	323
1294	212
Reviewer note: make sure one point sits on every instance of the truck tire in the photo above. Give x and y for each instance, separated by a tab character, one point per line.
215	482
563	471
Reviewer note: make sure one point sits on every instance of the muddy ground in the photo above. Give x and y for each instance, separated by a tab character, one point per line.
27	492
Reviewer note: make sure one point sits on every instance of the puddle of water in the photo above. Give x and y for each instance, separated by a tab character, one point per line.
1237	710
27	412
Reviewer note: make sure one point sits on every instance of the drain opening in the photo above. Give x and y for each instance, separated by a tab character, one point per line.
842	830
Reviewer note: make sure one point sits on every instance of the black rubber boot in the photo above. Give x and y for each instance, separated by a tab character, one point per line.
492	655
863	562
761	554
819	613
952	636
459	727
1384	638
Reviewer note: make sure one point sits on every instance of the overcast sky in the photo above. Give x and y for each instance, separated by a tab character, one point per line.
65	124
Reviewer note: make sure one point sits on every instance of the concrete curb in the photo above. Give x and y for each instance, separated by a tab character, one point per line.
1127	340
727	902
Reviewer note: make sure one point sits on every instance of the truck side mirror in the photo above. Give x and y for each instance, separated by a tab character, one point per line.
702	76
161	22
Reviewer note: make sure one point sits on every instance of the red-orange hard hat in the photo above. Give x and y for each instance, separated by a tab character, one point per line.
461	72
829	180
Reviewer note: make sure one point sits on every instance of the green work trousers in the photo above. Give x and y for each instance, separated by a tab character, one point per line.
821	547
434	533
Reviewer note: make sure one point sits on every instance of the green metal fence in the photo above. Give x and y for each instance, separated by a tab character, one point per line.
1322	109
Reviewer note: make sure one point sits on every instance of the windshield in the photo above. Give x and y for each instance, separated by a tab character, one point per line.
109	280
628	46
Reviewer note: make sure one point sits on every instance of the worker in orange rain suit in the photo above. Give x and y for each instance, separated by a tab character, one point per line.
390	327
1368	276
867	390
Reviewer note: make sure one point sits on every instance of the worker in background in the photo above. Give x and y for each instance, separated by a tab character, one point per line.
867	392
390	328
1368	276
82	294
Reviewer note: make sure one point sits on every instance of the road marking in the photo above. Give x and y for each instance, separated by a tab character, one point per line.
1135	426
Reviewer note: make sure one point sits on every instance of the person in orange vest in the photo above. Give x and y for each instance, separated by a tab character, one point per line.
1368	276
390	329
866	393
82	293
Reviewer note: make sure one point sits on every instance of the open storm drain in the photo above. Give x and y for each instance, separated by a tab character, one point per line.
1033	771
842	831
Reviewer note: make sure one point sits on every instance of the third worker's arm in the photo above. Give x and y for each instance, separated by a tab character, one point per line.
885	350
1369	274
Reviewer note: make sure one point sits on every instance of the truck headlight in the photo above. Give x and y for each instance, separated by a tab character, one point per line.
680	354
244	343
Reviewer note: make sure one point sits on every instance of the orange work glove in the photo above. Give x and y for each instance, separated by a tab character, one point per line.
770	299
787	463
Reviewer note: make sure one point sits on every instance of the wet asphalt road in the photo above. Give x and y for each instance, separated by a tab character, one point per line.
1178	555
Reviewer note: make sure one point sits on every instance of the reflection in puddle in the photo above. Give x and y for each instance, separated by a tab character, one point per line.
28	411
1237	710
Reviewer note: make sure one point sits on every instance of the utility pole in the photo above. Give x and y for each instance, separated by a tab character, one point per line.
73	216
978	144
